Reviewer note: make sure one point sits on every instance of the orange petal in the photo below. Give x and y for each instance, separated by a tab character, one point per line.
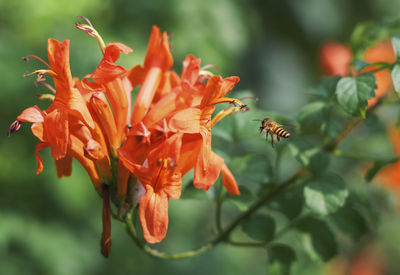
58	54
64	166
102	109
158	51
31	114
77	152
122	180
190	69
381	52
136	75
57	133
218	87
39	161
229	181
186	121
146	94
205	176
172	185
153	211
169	148
107	70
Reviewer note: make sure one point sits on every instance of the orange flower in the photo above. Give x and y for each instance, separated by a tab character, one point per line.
61	125
381	52
162	180
166	134
390	175
335	59
197	120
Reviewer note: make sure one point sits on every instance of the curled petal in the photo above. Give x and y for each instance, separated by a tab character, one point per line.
229	181
39	161
191	69
153	211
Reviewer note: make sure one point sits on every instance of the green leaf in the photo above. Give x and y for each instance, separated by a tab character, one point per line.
259	227
314	158
280	259
318	239
353	93
396	46
289	203
378	165
350	221
311	117
396	78
326	194
360	64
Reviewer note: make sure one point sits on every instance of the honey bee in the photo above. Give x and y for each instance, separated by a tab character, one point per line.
272	127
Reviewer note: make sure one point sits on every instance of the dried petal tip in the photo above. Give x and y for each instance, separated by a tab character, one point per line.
26	58
14	127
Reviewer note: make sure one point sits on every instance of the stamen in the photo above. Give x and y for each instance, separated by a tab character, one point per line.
228	111
14	127
40	74
46	97
208	66
255	99
26	59
166	163
47	85
233	101
90	30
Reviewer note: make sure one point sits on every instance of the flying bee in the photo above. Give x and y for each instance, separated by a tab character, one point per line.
272	127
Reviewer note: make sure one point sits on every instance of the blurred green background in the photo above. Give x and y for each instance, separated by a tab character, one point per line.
52	226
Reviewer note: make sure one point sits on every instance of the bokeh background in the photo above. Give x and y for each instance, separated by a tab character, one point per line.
53	226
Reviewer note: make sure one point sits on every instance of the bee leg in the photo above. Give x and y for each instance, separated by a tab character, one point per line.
272	139
278	138
261	130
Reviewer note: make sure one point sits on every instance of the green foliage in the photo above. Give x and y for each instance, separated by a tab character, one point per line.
326	194
317	238
396	68
308	155
280	259
260	228
353	93
378	165
311	117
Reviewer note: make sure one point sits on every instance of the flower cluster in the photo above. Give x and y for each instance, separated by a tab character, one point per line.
137	149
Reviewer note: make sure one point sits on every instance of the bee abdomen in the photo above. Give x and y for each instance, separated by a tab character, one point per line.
282	132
